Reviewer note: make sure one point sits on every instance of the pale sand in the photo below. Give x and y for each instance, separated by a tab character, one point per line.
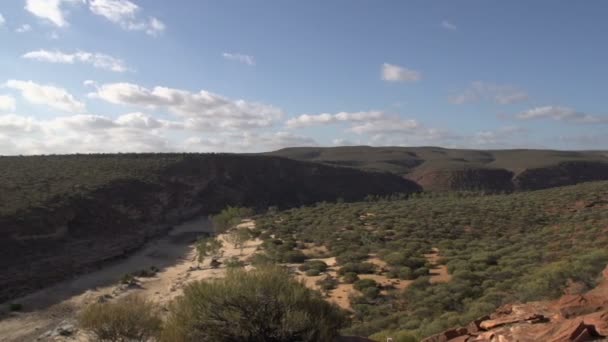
175	256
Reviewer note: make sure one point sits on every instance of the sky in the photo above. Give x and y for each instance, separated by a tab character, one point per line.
89	76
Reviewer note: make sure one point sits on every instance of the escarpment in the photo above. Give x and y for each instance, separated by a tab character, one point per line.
72	232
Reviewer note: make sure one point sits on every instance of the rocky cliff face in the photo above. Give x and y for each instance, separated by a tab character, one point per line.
39	246
492	180
571	318
566	173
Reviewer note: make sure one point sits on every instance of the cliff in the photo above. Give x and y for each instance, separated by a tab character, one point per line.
73	232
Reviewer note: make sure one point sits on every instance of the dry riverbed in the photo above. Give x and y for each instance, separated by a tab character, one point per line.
51	313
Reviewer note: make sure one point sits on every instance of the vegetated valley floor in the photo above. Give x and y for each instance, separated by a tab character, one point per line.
498	249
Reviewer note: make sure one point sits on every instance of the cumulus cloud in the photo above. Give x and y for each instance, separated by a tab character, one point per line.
203	110
306	120
23	28
2	20
245	59
448	25
396	73
559	113
7	103
98	60
483	91
386	126
51	10
15	124
82	133
125	14
51	96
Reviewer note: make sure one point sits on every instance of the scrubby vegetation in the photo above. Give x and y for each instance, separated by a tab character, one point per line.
27	182
129	319
263	305
230	217
497	248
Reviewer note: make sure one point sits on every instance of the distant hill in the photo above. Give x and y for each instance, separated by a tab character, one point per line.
436	168
61	215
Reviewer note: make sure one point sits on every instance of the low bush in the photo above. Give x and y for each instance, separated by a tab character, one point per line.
362	284
265	304
350	277
358	268
129	319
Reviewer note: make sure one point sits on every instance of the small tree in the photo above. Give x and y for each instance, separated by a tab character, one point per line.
129	319
238	237
208	247
230	217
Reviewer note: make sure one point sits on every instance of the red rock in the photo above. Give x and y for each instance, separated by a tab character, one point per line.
448	335
599	320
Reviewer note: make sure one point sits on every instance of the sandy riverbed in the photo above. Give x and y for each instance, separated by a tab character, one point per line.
174	255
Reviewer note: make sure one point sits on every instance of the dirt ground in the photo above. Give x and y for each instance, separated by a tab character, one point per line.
341	294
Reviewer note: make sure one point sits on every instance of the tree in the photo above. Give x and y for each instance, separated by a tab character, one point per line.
238	237
230	217
129	319
263	305
208	247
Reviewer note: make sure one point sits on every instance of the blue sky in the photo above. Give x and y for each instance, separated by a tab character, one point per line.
247	76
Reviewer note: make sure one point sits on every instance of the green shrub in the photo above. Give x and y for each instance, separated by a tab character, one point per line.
359	268
261	305
313	264
129	319
370	292
361	284
327	283
230	217
312	272
293	257
350	277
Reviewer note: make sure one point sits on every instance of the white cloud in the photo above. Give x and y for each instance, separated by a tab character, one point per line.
483	91
203	110
2	20
7	103
116	11
559	113
448	25
125	14
155	26
386	126
98	60
11	123
306	120
396	73
23	28
51	96
50	10
246	59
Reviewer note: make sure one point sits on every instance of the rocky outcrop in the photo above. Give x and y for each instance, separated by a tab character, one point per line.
570	318
468	179
40	246
566	173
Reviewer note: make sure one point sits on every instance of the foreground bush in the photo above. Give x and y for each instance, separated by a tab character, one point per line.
130	319
264	305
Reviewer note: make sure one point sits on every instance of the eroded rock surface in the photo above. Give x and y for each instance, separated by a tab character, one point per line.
571	318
